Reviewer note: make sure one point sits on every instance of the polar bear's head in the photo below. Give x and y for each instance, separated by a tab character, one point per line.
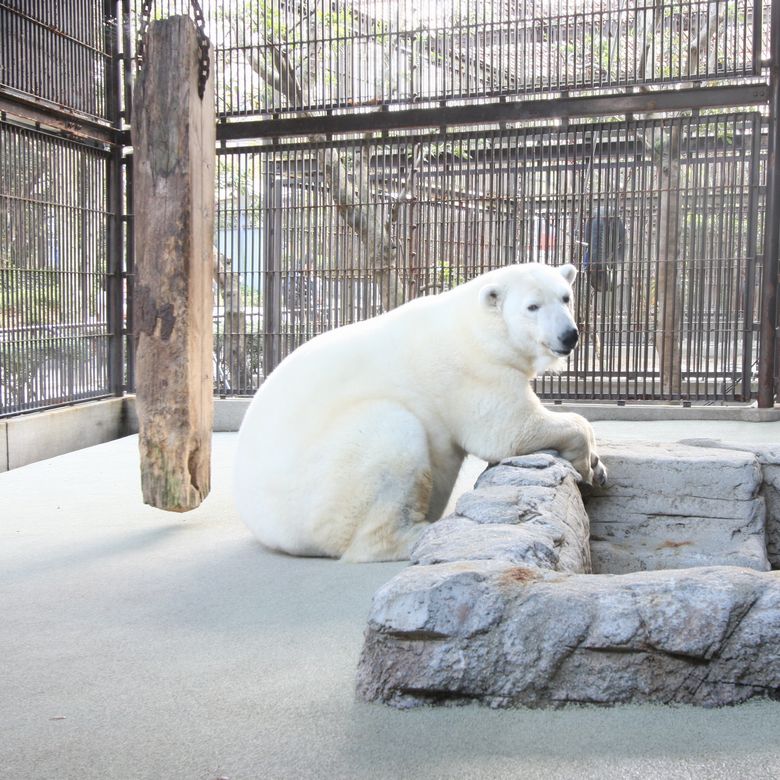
535	303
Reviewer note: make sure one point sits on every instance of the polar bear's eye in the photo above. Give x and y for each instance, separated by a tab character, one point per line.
565	298
533	307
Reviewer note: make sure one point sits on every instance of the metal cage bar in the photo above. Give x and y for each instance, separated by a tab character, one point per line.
444	207
279	57
54	330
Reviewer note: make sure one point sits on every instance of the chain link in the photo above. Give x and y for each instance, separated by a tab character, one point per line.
143	27
203	41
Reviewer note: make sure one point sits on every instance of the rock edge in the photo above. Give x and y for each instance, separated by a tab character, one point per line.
500	608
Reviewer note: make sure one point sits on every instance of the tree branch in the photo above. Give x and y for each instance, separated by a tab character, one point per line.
351	195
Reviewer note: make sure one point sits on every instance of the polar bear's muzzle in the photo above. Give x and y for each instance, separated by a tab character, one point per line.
557	329
567	342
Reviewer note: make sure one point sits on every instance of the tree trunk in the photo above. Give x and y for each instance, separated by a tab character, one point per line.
351	197
174	156
234	328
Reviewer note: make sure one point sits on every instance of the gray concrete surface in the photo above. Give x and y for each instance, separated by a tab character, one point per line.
138	644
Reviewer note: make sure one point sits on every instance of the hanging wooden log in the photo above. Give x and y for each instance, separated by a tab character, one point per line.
173	132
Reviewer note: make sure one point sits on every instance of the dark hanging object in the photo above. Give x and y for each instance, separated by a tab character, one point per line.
605	238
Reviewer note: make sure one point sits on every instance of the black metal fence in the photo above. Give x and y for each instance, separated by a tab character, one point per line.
279	56
59	53
53	270
374	151
432	210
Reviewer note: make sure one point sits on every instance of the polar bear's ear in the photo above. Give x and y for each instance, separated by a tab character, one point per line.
491	296
568	272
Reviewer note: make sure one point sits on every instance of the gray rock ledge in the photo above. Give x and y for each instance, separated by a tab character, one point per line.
673	506
499	606
768	457
508	635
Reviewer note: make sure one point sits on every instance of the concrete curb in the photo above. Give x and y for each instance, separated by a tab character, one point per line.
666	412
3	446
32	437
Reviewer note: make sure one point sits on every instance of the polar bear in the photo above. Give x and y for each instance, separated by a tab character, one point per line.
351	447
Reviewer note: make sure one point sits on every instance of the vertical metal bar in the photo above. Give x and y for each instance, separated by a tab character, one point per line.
741	165
751	256
129	275
114	286
704	238
731	259
272	281
114	201
63	341
125	24
758	7
766	366
691	265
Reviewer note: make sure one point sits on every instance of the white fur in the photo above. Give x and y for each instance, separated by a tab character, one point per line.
352	445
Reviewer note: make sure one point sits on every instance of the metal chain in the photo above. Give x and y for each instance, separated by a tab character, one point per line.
203	41
143	26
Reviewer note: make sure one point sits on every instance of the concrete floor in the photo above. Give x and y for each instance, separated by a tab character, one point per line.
140	644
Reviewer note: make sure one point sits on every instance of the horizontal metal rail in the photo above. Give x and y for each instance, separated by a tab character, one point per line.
36	111
498	112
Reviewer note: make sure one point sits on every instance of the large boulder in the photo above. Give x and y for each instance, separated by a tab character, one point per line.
508	635
527	510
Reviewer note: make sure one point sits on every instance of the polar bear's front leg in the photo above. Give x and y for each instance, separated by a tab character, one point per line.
529	427
525	426
572	436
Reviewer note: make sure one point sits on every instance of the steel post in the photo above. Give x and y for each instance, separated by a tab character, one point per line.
766	375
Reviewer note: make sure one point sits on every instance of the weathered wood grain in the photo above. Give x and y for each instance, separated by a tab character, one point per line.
173	158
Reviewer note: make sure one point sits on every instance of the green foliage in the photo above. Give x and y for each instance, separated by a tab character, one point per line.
28	296
446	276
341	22
461	150
724	131
603	53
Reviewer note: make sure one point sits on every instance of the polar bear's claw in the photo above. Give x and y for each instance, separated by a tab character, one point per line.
599	471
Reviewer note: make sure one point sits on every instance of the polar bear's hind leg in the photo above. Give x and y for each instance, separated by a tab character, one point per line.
393	482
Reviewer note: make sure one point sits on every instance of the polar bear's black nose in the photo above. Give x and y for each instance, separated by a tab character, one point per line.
569	339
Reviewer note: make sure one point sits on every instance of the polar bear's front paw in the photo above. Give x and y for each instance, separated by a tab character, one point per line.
599	477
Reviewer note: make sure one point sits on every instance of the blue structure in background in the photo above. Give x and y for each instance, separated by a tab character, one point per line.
244	247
